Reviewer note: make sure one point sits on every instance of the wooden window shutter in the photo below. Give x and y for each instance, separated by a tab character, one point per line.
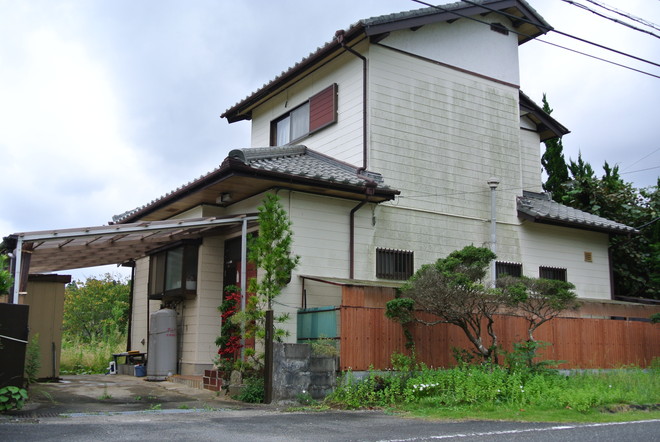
323	108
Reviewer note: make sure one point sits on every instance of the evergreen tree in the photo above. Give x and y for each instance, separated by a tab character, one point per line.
553	162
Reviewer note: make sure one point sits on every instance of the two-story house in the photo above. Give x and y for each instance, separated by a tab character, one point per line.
402	139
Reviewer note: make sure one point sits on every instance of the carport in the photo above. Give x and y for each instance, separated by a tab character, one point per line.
65	249
57	250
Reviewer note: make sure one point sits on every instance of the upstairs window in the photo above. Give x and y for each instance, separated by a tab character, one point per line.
394	264
552	273
173	271
508	269
311	116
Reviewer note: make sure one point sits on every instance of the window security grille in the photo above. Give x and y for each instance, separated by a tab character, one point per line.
508	268
552	273
394	264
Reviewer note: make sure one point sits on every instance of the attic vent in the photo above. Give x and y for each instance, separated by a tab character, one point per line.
588	257
499	28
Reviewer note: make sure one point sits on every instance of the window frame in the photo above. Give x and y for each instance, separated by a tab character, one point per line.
553	272
321	112
160	270
502	266
394	264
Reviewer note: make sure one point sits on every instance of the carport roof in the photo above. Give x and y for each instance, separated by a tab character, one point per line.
55	250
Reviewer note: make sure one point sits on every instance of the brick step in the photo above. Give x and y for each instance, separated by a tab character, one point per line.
190	381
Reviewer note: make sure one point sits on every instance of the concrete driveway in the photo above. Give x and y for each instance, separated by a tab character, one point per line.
116	393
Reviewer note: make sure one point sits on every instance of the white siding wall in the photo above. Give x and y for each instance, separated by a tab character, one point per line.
530	160
321	238
438	135
465	44
140	316
544	245
201	320
342	140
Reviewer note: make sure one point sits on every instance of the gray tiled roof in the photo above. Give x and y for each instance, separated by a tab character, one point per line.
396	16
294	160
540	206
301	161
364	24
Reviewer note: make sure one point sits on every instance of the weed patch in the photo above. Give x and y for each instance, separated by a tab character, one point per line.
494	392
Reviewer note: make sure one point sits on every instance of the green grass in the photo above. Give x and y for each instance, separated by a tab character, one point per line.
496	393
93	357
530	414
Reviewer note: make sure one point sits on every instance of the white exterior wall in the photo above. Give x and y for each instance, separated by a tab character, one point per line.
201	319
142	307
438	134
552	246
342	140
321	239
530	156
465	44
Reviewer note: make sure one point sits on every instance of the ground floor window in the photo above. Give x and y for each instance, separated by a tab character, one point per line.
508	269
394	264
557	273
173	271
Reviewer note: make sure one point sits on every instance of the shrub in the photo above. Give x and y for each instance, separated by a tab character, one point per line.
12	398
32	359
253	392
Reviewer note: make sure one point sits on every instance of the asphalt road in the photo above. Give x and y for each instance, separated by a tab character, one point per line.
111	408
273	425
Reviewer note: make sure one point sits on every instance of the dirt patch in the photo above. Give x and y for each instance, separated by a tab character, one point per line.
624	408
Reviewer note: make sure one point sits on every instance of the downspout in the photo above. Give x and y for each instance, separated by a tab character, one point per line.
352	239
493	183
243	281
339	36
129	341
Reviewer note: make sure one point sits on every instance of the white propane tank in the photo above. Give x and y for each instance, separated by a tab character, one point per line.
162	345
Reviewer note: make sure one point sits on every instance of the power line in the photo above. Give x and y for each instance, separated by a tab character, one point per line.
586	8
625	14
529	36
640	170
565	34
643	158
598	58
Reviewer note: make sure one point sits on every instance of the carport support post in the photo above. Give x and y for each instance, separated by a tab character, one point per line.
268	358
243	281
18	263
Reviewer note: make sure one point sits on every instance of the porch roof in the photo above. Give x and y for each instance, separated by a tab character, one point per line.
63	249
251	171
539	207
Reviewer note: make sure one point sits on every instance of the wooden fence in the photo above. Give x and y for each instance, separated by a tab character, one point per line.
368	338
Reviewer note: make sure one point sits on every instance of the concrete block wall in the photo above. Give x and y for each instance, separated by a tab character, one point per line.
297	371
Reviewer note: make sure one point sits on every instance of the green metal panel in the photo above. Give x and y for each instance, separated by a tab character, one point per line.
315	323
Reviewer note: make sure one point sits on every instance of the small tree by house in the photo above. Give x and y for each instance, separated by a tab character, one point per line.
452	291
271	252
537	300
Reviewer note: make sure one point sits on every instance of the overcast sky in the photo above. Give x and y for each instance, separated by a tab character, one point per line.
106	105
